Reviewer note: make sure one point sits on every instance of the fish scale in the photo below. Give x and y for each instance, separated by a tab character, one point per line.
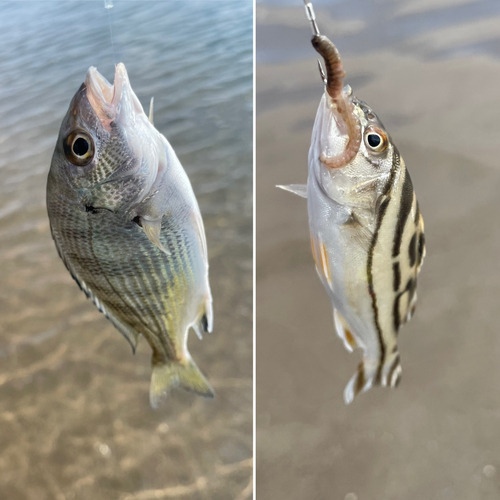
150	292
128	228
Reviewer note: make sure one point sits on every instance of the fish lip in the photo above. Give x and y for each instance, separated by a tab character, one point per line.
121	83
104	97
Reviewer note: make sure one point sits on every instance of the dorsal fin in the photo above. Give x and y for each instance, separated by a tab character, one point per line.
151	105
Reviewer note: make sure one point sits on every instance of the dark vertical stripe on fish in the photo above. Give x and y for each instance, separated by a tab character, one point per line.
417	214
421	247
410	288
404	211
371	291
412	250
394	365
396	318
380	216
396	272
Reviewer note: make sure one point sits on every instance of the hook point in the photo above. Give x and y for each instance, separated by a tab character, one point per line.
322	72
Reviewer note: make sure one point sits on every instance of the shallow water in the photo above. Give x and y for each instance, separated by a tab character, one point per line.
431	74
74	411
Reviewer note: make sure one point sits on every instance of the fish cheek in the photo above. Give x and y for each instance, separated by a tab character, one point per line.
117	195
381	164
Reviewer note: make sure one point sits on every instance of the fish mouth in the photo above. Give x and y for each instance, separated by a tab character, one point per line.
111	101
341	98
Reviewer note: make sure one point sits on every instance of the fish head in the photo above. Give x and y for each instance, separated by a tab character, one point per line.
107	150
360	179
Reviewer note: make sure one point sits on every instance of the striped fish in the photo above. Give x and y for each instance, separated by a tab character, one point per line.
126	223
367	232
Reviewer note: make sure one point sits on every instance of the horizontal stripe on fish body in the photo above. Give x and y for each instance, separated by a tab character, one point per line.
160	284
131	278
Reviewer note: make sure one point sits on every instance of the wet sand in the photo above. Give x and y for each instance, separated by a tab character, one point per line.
436	436
75	419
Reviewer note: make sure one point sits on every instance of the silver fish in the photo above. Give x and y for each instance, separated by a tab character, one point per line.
367	232
126	223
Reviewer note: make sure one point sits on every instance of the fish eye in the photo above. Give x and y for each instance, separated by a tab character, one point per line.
79	148
376	140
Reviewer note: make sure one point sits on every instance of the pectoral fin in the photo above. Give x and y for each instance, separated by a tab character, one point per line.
361	234
298	189
152	229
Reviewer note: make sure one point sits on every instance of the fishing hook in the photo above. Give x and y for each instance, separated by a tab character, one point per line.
322	72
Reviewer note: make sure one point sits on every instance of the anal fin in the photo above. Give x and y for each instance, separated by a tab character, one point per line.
129	333
204	323
344	331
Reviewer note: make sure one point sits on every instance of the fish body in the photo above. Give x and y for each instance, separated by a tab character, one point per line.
367	231
127	225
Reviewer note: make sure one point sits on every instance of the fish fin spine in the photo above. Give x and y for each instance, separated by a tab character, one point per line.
298	189
207	318
205	321
151	112
177	374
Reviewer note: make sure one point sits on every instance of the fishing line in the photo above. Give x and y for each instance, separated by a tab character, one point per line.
108	5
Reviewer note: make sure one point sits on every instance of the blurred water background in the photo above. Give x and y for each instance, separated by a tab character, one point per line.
430	69
75	421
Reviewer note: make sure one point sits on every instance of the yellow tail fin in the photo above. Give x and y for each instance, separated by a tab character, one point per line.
188	376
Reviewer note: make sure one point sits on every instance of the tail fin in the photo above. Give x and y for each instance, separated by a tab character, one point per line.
370	373
188	376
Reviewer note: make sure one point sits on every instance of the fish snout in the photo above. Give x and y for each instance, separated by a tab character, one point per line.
112	103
